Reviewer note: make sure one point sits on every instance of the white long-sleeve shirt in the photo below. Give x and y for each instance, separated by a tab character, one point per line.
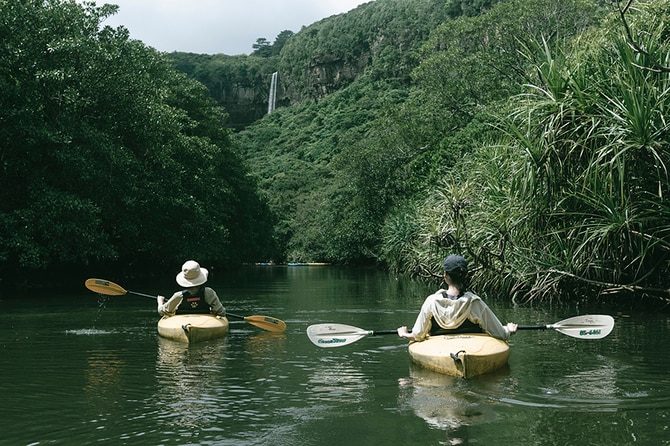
450	313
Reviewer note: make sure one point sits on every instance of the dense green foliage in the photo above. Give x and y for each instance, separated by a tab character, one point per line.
381	139
295	154
379	39
503	137
109	155
311	158
570	191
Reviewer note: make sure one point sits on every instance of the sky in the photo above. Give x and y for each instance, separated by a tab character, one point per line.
218	26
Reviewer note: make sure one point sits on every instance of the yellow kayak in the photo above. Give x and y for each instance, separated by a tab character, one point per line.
465	355
192	327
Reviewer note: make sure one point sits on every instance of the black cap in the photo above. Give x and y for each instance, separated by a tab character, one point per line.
455	263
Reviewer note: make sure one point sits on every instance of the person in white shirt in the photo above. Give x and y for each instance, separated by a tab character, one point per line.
455	309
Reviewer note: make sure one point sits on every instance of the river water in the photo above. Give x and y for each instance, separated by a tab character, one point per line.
85	369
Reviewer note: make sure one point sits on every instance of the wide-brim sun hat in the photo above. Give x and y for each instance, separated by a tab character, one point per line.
192	274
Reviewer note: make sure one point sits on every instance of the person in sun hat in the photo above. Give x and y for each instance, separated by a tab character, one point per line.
456	310
196	298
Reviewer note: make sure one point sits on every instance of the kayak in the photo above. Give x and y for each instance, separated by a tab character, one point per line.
464	355
192	327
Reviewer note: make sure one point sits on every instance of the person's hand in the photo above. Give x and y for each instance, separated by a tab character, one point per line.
512	327
161	300
402	332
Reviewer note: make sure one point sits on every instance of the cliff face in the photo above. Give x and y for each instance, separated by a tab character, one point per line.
320	78
244	104
247	102
376	39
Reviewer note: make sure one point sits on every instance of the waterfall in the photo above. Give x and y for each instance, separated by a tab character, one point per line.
273	93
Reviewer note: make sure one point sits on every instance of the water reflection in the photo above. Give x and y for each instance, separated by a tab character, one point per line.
266	344
179	359
448	403
185	375
103	379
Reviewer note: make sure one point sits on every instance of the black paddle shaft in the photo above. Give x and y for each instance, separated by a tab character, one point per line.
456	331
384	332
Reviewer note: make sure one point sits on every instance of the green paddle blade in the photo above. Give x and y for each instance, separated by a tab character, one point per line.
335	335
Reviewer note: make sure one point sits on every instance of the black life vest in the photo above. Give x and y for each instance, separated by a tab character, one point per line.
466	327
194	303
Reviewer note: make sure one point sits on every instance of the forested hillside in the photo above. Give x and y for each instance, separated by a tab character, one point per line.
377	39
529	136
335	165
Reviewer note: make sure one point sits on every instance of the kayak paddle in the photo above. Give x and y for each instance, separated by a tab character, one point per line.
592	326
108	288
337	335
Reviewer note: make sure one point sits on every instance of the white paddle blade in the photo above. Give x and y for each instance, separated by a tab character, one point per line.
335	335
590	326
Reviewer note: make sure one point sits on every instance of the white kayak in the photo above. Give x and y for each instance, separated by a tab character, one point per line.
465	355
192	327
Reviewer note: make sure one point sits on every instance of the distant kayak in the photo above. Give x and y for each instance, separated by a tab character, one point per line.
465	355
192	327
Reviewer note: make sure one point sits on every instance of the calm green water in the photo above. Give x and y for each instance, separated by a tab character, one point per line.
83	369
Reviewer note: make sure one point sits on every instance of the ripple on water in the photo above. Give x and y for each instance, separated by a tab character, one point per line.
607	388
88	332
